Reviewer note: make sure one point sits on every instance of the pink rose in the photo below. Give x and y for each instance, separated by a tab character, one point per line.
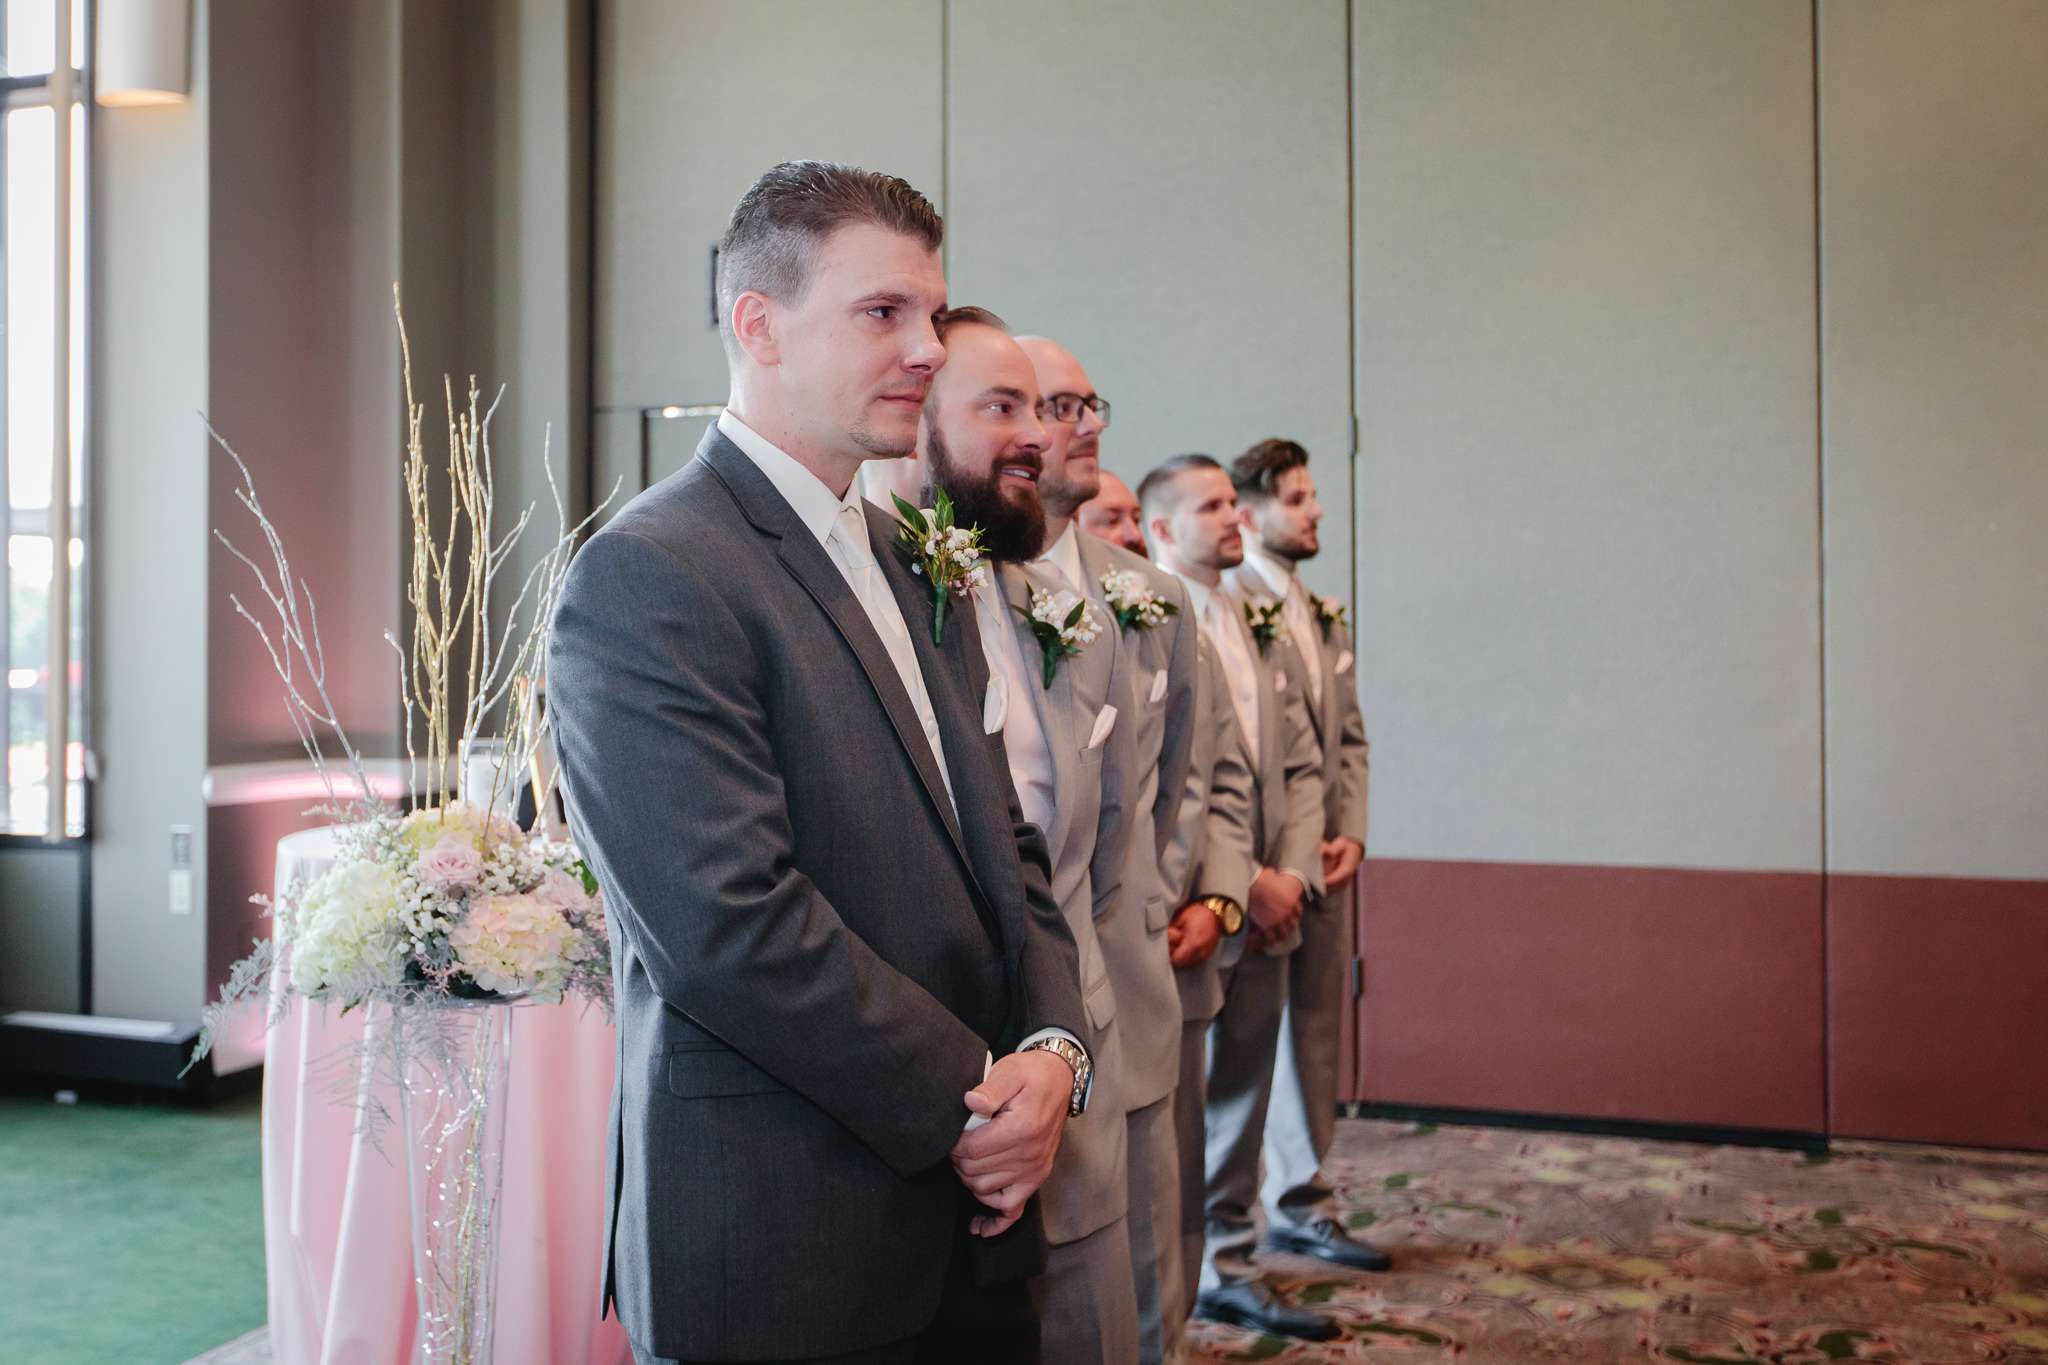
453	861
561	892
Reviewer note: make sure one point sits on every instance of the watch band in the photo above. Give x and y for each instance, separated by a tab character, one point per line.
1229	914
1075	1057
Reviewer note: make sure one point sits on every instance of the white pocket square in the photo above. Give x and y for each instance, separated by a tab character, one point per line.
1344	662
1104	723
995	704
1159	685
1279	681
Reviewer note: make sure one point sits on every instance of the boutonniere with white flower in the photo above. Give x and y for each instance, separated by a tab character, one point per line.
1267	626
1062	624
1131	598
948	555
1329	615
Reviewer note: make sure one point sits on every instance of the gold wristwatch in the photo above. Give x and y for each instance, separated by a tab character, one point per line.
1229	914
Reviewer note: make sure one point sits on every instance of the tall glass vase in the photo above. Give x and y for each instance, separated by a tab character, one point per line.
454	1064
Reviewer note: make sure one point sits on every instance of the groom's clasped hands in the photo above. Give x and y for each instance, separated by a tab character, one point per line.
1003	1161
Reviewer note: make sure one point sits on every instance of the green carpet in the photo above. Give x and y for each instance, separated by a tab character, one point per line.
128	1234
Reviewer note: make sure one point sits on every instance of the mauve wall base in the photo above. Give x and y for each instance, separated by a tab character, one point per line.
1938	993
1708	998
1650	994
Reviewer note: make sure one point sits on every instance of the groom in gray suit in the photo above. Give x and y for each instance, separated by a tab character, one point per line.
1063	712
848	1006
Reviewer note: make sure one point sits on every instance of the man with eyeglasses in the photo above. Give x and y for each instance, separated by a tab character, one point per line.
1134	937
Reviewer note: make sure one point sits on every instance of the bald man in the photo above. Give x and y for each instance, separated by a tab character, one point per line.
1134	936
1112	515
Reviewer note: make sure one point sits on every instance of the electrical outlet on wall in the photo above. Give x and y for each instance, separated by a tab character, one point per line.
181	869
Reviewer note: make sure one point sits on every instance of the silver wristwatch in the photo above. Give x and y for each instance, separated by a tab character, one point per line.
1075	1057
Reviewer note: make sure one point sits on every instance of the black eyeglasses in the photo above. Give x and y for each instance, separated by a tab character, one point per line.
1067	407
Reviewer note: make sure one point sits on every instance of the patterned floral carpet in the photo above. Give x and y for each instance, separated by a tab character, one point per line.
1519	1246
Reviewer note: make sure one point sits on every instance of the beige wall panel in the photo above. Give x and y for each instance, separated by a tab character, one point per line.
1587	484
1162	188
695	99
1934	122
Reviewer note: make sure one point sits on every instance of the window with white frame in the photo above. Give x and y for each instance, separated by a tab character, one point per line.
42	239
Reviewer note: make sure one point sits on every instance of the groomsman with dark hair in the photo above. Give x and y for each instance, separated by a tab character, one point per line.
1191	521
1279	513
1150	611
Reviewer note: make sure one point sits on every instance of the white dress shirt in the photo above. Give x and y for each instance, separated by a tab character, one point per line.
841	526
1280	576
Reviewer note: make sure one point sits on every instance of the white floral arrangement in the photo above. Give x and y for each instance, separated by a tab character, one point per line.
1136	605
451	902
949	556
1062	624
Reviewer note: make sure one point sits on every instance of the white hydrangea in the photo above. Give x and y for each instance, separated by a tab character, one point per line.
349	938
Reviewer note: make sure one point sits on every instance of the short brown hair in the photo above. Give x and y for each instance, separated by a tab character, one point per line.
1256	473
965	313
1152	488
772	240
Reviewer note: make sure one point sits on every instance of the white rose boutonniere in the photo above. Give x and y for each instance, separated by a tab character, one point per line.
1267	627
948	555
1062	624
1133	600
1329	615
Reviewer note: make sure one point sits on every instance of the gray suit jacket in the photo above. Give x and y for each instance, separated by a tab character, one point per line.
1161	712
1338	722
1211	852
812	953
1090	840
1287	815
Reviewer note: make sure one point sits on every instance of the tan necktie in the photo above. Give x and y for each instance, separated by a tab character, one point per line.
848	542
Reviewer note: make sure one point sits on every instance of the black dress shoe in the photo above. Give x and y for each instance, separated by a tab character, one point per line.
1255	1306
1326	1240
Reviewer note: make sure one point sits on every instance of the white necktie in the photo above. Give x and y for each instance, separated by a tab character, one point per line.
848	542
1243	674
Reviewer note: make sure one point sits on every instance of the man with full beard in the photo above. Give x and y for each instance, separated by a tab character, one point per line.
1060	696
1158	630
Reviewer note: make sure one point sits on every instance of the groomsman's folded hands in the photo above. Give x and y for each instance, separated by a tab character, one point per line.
1002	1162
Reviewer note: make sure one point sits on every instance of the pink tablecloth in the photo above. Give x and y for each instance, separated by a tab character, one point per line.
335	1224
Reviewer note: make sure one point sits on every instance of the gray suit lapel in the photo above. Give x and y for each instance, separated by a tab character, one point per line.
808	563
